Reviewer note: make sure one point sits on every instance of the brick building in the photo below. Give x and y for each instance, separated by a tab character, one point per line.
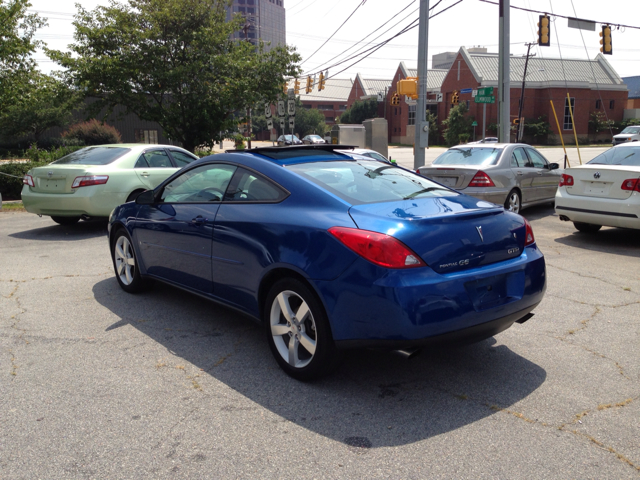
632	110
332	101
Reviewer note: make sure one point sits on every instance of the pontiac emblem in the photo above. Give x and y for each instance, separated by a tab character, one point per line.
596	175
479	229
49	174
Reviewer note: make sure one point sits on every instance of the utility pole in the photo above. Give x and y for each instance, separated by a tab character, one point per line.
245	29
521	107
504	83
421	125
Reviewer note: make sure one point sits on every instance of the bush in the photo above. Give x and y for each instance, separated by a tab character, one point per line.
36	154
11	186
93	132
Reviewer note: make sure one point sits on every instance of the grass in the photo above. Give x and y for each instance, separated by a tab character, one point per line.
13	207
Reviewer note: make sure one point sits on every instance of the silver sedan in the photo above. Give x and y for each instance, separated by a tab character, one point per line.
515	175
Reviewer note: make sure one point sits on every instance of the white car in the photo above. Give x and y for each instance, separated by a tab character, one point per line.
629	134
605	191
365	152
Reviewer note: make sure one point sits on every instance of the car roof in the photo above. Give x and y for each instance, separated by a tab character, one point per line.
299	153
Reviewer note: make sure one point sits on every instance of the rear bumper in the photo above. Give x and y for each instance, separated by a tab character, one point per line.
498	196
599	211
92	201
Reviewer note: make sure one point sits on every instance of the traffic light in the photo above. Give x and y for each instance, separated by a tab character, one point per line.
605	41
455	97
309	86
543	31
395	99
296	87
285	88
516	121
408	87
321	82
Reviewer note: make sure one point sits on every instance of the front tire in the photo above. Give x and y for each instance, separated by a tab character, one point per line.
586	227
513	203
298	331
125	263
66	220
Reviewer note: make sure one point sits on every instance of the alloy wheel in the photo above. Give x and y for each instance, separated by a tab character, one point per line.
125	260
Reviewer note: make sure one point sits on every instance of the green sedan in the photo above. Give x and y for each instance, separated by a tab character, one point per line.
92	181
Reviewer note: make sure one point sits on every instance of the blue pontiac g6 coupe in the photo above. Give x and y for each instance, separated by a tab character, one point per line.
331	253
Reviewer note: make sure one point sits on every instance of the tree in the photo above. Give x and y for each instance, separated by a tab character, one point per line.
456	124
173	62
39	102
538	128
307	120
360	111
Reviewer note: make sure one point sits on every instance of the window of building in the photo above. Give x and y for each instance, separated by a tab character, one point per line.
568	124
145	136
612	104
598	104
395	111
412	115
325	107
467	104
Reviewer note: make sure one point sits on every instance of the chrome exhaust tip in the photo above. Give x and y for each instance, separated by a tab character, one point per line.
564	218
408	353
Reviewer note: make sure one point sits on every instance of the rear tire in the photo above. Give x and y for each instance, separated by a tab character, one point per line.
298	331
66	220
125	263
586	227
513	203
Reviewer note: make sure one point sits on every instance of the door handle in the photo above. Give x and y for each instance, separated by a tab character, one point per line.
519	173
199	220
145	174
539	173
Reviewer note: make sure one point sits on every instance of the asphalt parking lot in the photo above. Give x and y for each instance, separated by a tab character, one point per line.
97	383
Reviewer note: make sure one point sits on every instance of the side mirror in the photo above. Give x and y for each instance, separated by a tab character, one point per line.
553	166
145	198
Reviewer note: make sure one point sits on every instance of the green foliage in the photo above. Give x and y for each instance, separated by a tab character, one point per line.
464	137
173	62
11	186
35	154
456	124
360	111
538	128
598	122
93	132
308	120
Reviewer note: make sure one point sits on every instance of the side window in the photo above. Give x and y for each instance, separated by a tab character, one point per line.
537	159
141	163
206	183
519	158
250	187
182	158
157	159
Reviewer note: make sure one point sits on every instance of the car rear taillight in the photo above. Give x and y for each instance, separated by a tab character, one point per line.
529	239
89	180
28	180
566	180
380	249
632	184
481	179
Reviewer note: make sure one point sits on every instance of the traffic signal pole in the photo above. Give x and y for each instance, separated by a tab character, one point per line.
421	125
504	81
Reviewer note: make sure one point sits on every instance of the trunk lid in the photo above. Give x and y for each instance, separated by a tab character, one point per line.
56	179
601	181
457	177
449	233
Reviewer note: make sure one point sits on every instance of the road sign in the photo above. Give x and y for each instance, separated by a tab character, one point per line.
291	107
439	97
281	111
485	91
282	124
267	110
466	90
474	124
292	123
485	99
269	123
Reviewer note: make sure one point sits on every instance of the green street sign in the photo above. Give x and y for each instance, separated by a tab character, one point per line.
474	124
486	99
485	91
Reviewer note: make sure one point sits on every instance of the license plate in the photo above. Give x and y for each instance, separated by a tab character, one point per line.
596	188
448	181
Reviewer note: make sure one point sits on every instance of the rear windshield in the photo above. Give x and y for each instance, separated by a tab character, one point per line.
626	156
469	156
634	130
93	156
367	181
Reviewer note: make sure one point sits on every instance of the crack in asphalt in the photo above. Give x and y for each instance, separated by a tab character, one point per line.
586	276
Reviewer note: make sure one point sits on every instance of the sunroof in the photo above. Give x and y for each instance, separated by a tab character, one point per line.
301	153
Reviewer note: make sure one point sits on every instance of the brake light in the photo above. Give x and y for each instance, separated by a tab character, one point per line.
28	180
529	239
89	180
566	181
378	248
632	184
481	179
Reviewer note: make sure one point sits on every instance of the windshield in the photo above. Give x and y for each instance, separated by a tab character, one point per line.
629	156
469	156
315	137
93	156
366	181
632	130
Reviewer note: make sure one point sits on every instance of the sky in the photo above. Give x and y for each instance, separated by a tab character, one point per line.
470	23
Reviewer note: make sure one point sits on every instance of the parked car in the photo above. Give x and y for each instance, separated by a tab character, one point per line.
486	140
511	174
92	181
312	139
331	252
605	191
285	140
365	152
629	134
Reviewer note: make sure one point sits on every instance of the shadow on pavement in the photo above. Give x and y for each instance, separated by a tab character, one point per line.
616	241
375	399
52	232
539	212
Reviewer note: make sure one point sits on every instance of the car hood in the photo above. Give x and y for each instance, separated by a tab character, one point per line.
448	233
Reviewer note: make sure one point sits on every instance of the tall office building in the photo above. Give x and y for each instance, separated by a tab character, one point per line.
265	20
